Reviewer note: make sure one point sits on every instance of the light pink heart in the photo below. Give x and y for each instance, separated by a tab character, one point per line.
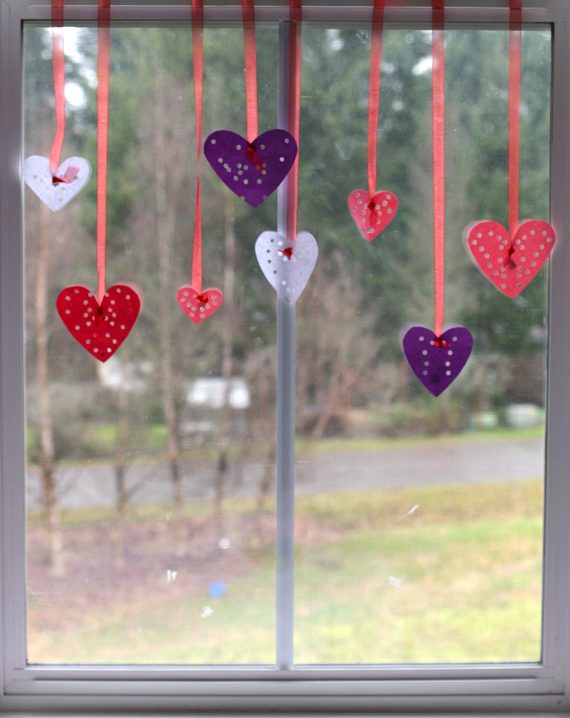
199	305
372	214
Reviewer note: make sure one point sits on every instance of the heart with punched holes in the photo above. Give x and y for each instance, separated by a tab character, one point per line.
56	189
199	305
510	263
287	264
437	361
99	328
252	170
372	214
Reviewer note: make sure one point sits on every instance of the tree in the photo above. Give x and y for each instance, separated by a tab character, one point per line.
47	235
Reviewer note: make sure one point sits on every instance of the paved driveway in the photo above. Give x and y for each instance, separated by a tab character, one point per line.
422	464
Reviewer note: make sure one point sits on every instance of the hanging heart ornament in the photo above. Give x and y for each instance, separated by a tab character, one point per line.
510	263
252	170
199	305
99	328
372	214
287	265
437	361
56	189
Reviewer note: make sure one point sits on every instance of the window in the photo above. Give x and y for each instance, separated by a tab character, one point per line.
168	540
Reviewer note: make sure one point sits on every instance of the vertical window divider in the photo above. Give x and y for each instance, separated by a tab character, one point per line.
286	389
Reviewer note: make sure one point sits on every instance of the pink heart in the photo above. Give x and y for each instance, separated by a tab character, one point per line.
99	328
199	306
510	263
372	214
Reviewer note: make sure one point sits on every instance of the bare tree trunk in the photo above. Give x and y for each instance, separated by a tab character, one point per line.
334	391
164	233
483	400
121	453
224	439
330	405
121	492
47	452
266	481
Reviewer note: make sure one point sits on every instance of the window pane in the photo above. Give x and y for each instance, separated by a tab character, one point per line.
151	477
419	520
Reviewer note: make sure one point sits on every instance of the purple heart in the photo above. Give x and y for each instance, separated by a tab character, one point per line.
437	361
252	170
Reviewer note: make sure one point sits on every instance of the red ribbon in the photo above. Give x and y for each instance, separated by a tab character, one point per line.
294	114
374	91
250	62
515	61
198	67
103	61
438	149
58	68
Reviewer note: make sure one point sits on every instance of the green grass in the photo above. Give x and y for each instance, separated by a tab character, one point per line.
447	593
338	445
457	580
345	510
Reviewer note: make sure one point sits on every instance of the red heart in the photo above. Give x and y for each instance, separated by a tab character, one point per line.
99	328
198	307
510	263
372	215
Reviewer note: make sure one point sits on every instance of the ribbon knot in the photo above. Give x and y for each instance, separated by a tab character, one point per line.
70	176
253	157
511	263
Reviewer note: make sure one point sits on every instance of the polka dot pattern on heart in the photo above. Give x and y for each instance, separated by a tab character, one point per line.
510	263
287	265
199	306
39	178
437	361
252	171
99	328
372	215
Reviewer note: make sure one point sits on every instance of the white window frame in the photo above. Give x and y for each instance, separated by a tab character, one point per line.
521	687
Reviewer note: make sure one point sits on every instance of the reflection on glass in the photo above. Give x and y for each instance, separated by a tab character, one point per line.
151	478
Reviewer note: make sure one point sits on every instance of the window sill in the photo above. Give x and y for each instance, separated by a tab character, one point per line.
130	714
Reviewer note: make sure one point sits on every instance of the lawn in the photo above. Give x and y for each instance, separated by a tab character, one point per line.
414	575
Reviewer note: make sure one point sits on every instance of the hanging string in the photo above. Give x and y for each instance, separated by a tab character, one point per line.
515	62
58	68
294	114
374	91
198	68
103	61
250	62
438	149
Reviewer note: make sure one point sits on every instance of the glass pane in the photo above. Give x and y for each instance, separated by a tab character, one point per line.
151	477
419	520
419	526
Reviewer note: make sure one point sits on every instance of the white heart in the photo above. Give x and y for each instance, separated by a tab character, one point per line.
39	178
287	265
